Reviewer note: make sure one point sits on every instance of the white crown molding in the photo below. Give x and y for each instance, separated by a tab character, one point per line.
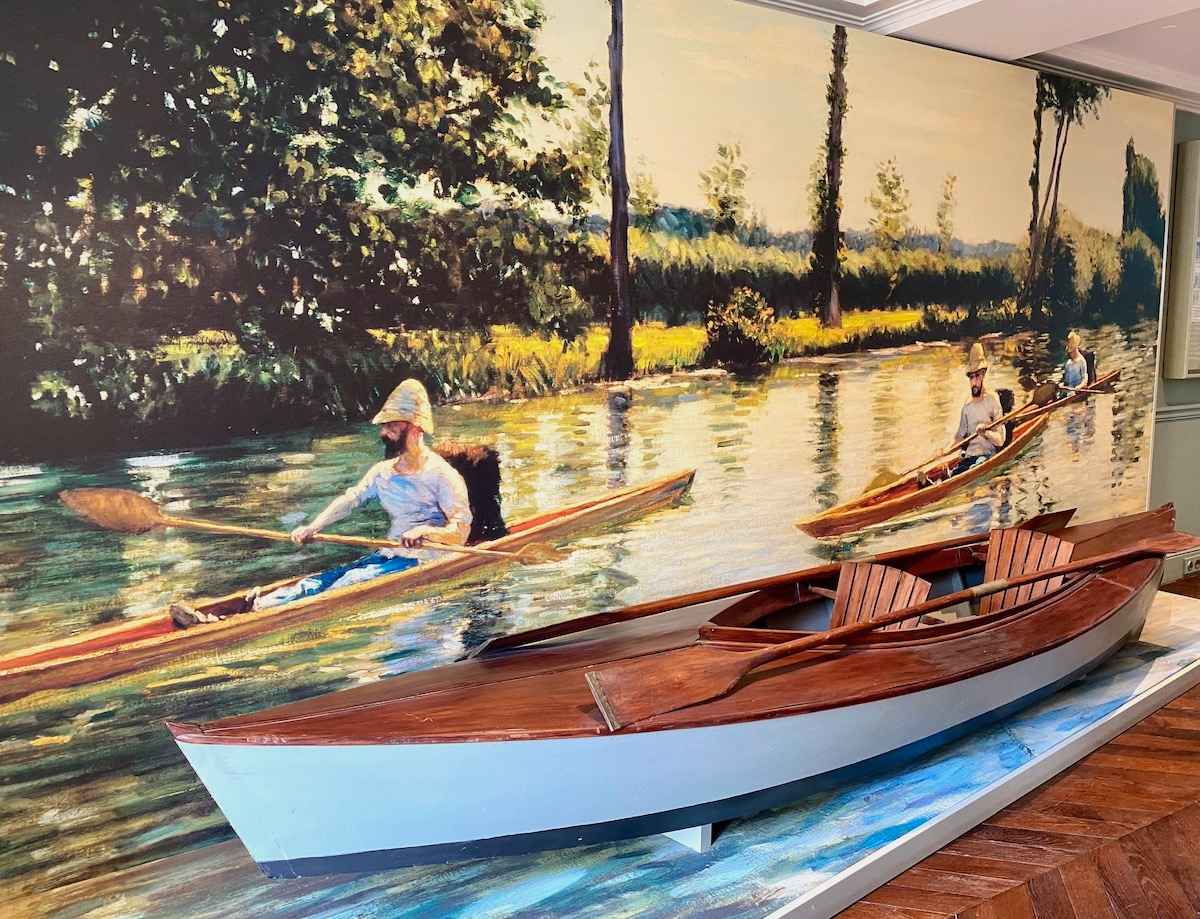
1169	413
911	13
882	16
1120	72
812	10
1115	70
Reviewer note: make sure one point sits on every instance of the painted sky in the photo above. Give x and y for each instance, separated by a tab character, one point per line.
703	72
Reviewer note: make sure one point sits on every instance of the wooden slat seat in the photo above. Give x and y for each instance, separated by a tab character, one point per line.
1012	552
866	591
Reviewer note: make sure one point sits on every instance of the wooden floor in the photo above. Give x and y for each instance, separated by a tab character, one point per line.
1116	835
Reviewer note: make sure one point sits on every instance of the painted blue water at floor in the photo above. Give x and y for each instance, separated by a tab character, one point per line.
755	866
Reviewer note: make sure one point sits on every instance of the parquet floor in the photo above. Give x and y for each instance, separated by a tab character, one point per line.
1116	835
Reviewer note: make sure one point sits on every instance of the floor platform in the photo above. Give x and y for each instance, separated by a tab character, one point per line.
1117	835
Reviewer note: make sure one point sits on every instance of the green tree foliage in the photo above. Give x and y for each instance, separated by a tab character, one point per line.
644	200
1062	295
1070	101
826	193
171	166
724	188
589	138
1142	199
890	224
945	213
739	330
1141	264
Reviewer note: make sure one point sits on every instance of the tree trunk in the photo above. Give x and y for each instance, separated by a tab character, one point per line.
1041	243
618	359
1035	179
827	242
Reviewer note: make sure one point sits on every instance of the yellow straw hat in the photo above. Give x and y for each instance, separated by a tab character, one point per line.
1074	341
976	360
408	402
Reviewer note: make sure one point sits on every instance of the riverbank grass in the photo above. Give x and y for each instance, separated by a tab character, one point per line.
511	362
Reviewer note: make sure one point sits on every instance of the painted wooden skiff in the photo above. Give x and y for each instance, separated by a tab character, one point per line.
506	751
153	640
905	495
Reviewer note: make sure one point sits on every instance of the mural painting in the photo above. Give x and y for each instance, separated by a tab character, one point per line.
645	295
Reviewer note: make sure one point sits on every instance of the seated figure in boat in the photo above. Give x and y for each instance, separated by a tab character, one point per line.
978	412
423	494
1078	370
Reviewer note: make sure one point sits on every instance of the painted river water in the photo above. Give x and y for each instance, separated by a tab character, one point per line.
90	781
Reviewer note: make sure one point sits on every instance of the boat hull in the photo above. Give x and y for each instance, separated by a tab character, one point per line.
316	809
862	513
154	640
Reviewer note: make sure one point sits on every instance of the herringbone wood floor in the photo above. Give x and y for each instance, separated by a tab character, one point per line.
1116	835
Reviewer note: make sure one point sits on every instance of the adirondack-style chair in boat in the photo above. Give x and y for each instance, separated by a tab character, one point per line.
866	590
1012	552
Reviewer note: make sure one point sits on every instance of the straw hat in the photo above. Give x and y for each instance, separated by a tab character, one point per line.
977	360
1074	341
408	402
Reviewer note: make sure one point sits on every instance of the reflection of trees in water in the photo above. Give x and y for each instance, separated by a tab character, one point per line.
617	453
481	613
1134	399
729	425
1033	360
825	461
1081	426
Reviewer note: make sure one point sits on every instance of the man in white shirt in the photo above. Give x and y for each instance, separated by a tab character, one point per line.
1075	369
424	495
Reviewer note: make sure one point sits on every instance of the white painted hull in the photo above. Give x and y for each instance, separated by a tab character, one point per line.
314	809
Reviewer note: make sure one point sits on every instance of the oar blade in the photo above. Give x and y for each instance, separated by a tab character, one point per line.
882	477
113	508
538	553
634	690
1044	394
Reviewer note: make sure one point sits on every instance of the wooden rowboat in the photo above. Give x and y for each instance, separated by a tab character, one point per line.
906	495
149	641
506	752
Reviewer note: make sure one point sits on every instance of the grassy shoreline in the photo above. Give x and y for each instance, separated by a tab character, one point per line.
205	390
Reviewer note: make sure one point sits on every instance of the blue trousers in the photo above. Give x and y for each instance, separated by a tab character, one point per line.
966	463
363	569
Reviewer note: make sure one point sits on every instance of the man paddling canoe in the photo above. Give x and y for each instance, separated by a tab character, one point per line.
424	495
978	412
1075	368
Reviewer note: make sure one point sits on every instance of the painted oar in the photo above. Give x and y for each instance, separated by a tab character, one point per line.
655	684
129	512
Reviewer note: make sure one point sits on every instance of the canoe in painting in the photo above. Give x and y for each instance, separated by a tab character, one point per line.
506	752
155	639
906	495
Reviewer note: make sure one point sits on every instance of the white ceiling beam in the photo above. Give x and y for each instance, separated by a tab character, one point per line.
1013	29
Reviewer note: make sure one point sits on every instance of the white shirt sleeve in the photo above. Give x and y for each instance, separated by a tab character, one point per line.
452	497
356	495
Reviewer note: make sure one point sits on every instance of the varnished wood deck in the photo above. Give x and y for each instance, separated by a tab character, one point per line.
1116	835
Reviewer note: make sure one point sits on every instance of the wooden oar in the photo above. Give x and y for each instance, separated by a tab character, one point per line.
130	512
656	684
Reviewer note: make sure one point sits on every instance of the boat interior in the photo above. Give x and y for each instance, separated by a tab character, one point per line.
861	591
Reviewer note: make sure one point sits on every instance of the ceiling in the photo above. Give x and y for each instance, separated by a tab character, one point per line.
1148	45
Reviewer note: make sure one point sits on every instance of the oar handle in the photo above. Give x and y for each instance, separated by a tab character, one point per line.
365	542
971	593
